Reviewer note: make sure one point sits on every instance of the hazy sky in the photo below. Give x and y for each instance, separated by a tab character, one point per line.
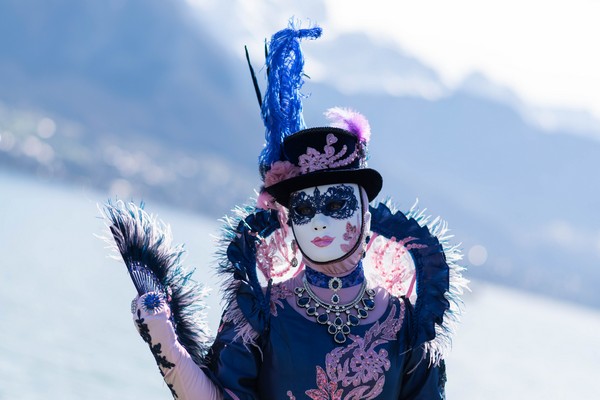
546	50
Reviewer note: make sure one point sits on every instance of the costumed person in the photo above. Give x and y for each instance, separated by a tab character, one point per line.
326	297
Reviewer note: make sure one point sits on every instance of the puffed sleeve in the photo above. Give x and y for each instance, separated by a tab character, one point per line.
234	364
235	356
421	378
422	381
437	275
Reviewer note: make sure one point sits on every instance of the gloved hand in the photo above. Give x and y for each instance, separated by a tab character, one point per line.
152	318
185	378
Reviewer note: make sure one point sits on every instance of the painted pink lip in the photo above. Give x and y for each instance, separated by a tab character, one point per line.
322	241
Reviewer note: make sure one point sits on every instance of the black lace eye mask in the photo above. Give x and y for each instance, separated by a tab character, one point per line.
338	202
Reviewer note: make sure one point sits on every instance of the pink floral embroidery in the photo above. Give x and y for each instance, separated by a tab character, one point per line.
279	292
394	274
327	390
358	367
367	364
351	236
313	160
273	254
265	254
280	171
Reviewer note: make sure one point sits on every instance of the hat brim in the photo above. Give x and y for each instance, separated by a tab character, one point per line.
367	178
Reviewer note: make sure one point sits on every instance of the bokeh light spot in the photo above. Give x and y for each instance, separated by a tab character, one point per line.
477	255
46	128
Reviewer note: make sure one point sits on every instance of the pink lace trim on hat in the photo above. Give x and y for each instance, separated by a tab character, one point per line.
314	160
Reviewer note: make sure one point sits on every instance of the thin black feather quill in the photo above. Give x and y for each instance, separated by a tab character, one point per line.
254	80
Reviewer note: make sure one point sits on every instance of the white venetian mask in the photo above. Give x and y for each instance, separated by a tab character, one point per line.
326	220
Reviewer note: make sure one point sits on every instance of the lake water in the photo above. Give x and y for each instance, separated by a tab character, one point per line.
66	330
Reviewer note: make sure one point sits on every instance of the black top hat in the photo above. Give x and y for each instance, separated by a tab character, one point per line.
323	156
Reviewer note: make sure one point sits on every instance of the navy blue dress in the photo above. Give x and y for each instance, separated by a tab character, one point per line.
265	349
298	359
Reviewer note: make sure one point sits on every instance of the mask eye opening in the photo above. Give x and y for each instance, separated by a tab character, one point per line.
335	205
304	210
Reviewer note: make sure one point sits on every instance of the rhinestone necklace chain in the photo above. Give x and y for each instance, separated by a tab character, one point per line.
323	312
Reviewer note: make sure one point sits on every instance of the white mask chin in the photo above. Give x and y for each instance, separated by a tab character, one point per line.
327	220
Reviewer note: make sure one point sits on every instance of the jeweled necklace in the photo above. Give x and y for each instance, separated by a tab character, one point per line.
335	283
323	312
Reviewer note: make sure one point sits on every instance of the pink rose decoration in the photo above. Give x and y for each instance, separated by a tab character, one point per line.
280	171
265	201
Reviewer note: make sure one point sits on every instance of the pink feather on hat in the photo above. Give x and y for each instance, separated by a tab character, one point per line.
351	121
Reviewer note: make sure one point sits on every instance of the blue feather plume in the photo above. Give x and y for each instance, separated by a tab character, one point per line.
282	103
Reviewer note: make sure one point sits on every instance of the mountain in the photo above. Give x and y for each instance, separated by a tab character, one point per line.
141	99
145	100
138	65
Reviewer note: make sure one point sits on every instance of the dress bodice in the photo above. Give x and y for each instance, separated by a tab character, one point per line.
298	358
